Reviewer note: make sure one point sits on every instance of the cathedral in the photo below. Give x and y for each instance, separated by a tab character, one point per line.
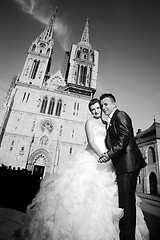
42	121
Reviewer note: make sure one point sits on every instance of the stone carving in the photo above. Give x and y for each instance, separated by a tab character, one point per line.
44	140
47	126
40	159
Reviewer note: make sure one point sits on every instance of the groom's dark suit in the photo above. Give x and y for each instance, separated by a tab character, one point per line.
127	160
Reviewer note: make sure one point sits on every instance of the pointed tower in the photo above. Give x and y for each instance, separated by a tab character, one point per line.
38	62
80	66
85	36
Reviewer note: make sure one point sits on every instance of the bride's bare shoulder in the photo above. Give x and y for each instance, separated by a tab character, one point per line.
89	123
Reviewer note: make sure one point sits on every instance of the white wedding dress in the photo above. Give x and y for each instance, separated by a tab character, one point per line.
79	202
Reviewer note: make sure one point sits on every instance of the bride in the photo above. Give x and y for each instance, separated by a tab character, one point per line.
80	201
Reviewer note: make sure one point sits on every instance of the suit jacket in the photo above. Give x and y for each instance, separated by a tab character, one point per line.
122	147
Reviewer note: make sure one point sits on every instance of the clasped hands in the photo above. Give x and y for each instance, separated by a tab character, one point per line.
104	158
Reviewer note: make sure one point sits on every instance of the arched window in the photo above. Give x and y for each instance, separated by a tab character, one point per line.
83	75
77	108
34	68
59	106
51	106
70	150
74	108
27	97
44	140
92	57
76	74
153	183
78	54
72	133
48	51
34	47
11	145
44	104
90	76
24	96
151	155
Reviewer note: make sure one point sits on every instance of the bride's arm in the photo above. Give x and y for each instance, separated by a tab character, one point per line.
90	137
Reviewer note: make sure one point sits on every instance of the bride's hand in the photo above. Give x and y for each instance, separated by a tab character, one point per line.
104	158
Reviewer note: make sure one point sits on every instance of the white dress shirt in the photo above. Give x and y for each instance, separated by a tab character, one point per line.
109	117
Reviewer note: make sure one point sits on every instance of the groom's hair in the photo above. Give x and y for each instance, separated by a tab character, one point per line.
108	95
92	102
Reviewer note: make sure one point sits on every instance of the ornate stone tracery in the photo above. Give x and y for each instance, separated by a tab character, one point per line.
56	79
47	125
44	140
40	159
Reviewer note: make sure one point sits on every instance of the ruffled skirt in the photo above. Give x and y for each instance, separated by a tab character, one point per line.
79	202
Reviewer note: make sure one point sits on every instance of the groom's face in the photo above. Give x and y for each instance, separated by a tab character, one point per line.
108	105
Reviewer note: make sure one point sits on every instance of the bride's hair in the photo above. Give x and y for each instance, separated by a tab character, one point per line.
92	102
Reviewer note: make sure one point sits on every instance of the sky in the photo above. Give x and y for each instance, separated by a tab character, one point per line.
125	32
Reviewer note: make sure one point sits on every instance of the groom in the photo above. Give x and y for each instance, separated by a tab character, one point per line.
127	161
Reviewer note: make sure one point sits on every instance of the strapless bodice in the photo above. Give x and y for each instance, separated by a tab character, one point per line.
99	133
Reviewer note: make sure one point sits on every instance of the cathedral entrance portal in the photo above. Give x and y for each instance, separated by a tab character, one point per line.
38	171
40	163
153	183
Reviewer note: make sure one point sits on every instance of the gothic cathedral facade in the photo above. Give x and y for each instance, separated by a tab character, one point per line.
42	121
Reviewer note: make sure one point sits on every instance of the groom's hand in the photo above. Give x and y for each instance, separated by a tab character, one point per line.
104	158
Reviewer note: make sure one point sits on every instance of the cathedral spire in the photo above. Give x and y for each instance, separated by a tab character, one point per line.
82	65
38	62
85	35
47	34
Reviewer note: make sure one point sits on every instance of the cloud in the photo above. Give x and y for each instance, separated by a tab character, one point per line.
41	11
62	33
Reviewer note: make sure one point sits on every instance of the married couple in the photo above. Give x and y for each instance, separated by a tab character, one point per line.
92	195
